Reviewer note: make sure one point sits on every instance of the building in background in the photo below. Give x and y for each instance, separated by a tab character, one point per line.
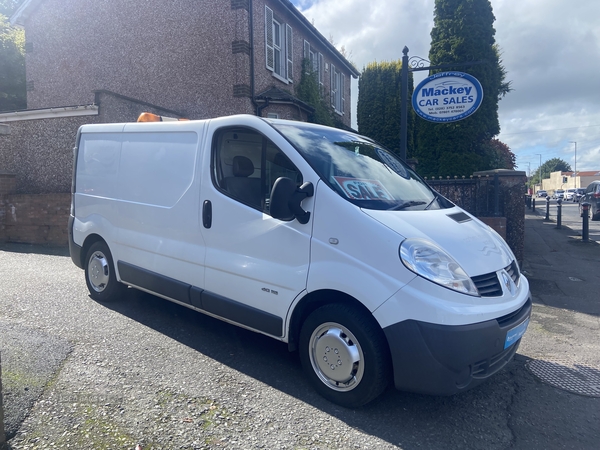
568	180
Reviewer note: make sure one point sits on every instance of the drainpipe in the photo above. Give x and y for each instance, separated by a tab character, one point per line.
259	108
252	83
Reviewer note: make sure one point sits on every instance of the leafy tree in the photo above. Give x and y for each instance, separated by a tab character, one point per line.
13	95
552	165
463	32
309	91
379	105
499	155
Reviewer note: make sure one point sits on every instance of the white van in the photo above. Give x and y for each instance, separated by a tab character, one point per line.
315	236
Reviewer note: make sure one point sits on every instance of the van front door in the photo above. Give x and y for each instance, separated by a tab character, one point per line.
255	265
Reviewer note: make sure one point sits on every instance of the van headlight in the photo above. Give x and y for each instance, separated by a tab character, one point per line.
429	261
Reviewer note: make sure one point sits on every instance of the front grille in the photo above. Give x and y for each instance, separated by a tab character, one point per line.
488	285
513	271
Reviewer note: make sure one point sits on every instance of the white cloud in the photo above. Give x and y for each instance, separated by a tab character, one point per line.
550	49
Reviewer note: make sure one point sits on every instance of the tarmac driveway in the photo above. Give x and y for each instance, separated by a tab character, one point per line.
144	370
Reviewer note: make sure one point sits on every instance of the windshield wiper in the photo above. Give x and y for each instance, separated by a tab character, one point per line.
405	205
431	202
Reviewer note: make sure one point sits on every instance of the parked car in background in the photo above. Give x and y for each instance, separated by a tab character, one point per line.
592	196
569	194
541	193
579	192
559	193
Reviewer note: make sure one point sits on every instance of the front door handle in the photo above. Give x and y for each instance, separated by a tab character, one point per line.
207	214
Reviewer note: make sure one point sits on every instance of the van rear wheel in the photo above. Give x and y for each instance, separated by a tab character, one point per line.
100	274
345	355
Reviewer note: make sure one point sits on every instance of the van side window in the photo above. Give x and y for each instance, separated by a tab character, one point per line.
245	165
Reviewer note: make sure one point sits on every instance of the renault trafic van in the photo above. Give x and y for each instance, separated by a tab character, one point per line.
317	237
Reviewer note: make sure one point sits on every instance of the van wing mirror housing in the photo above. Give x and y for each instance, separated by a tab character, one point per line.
286	200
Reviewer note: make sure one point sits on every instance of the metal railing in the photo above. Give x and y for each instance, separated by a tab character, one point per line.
481	196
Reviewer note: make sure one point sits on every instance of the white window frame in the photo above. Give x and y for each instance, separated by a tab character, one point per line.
338	87
278	47
321	71
332	86
315	59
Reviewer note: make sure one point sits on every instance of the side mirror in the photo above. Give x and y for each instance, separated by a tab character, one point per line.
286	200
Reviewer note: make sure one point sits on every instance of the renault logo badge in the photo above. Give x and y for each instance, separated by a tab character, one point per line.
507	282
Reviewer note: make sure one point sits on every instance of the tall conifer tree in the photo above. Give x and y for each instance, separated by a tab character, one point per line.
463	32
378	107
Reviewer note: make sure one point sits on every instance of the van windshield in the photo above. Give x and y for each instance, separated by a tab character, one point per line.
359	169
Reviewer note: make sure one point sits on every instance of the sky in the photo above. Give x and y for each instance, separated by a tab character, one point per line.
550	50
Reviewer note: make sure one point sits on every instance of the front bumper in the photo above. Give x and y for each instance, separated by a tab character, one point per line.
446	359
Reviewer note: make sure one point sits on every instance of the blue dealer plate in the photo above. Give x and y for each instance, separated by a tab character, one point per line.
514	334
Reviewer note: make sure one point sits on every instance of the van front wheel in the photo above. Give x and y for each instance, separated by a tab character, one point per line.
345	355
100	274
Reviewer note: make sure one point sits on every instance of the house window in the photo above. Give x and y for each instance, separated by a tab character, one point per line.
316	61
272	116
278	43
321	71
338	81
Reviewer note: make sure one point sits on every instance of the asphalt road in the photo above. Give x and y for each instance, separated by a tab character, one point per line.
147	371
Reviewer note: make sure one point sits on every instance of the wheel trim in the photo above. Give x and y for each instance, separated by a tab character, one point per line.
98	271
336	357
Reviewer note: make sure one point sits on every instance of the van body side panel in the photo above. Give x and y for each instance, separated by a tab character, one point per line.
352	253
139	191
251	257
157	210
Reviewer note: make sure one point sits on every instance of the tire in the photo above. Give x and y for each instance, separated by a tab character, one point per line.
361	368
100	275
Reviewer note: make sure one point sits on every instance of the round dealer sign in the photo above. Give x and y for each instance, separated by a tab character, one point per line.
447	97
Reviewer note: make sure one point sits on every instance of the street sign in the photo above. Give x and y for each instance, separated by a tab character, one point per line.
447	97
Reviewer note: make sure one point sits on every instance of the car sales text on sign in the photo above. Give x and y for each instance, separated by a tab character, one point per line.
447	97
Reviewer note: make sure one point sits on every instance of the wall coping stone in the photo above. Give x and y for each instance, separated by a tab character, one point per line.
500	173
